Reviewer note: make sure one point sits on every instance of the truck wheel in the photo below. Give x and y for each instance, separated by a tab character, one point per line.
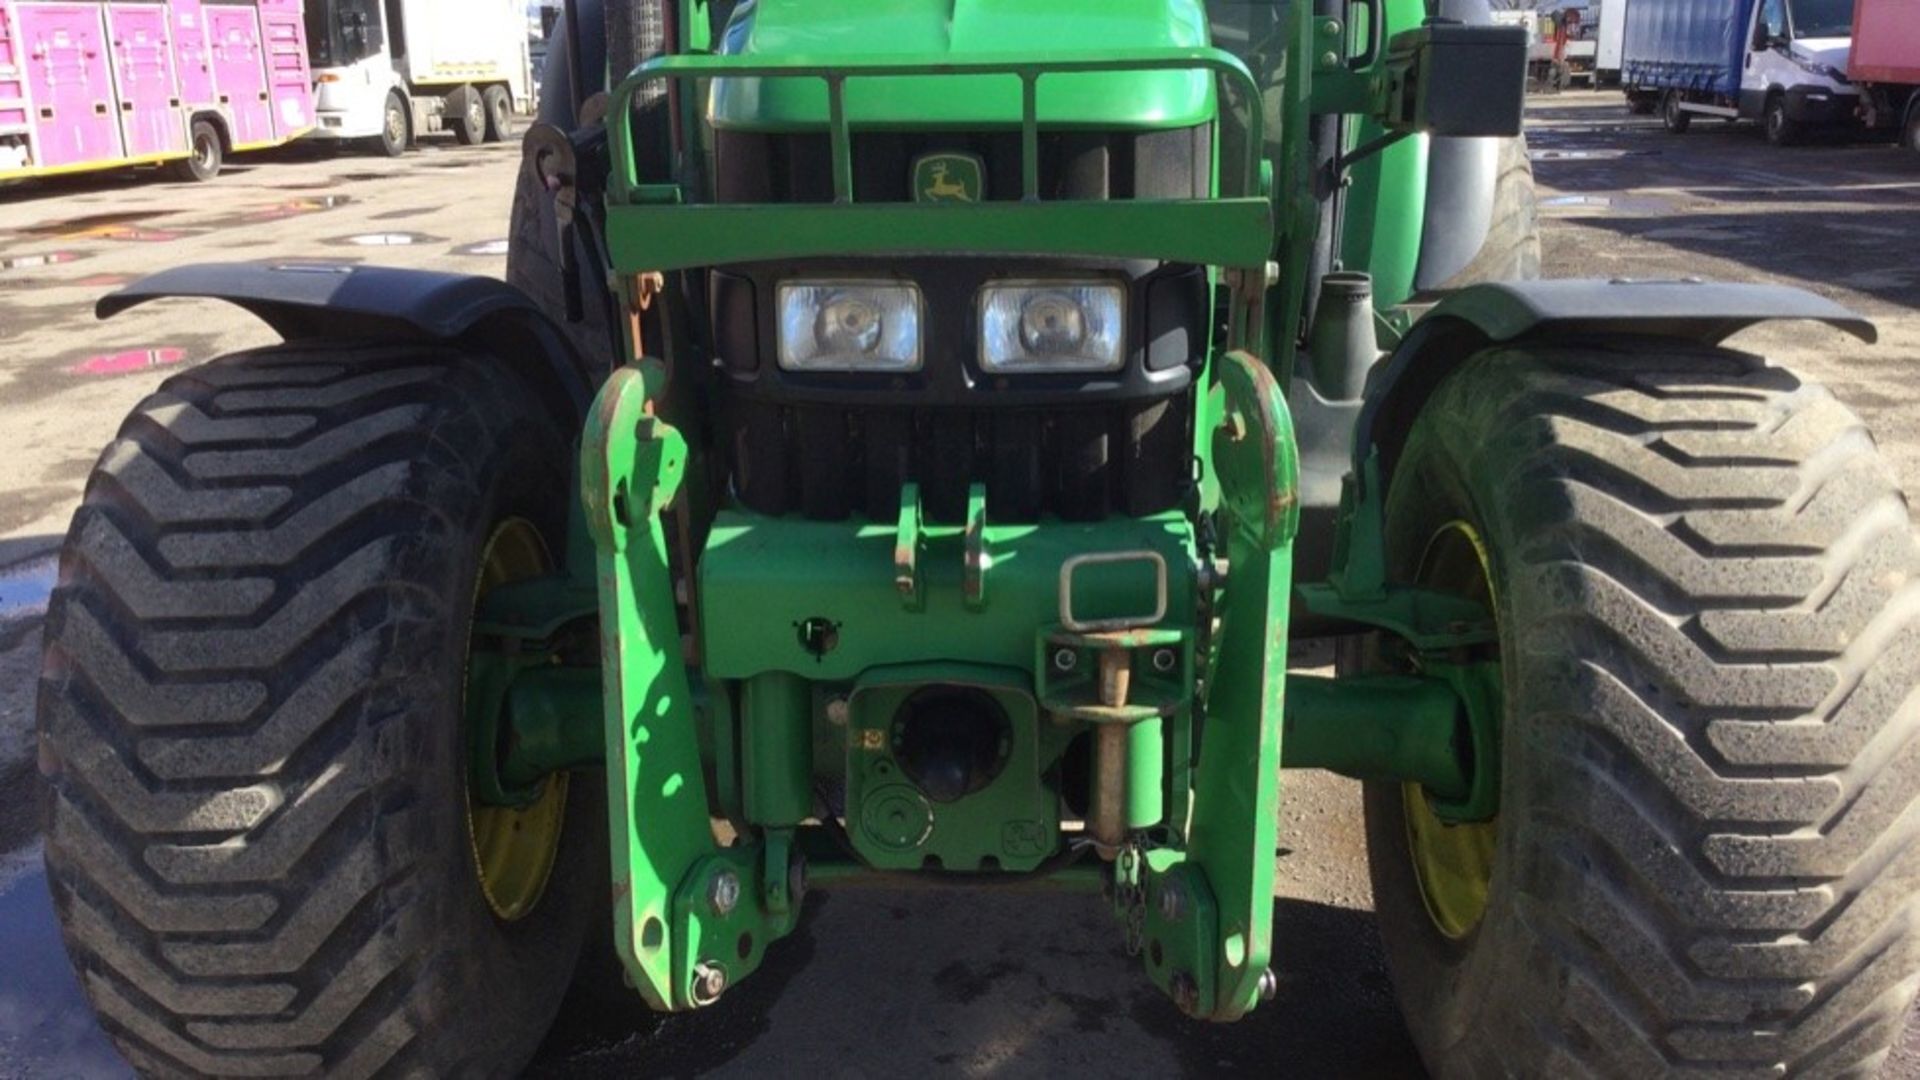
1781	129
499	108
261	846
396	126
1708	601
1911	137
466	116
1674	114
206	154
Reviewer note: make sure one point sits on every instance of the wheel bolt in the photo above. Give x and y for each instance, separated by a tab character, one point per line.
1164	660
1065	659
1185	992
709	982
1269	985
723	893
1173	901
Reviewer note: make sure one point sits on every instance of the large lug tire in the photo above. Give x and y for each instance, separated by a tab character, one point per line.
1910	138
1780	128
206	154
1676	118
634	32
260	848
1708	595
533	266
1511	251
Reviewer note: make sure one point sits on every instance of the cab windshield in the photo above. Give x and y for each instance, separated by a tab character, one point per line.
343	32
1822	18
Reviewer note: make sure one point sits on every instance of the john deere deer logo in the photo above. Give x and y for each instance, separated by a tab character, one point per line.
948	178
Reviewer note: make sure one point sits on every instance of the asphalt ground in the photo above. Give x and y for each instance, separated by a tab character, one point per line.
875	983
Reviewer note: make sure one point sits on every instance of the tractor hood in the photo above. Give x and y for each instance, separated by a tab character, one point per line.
847	31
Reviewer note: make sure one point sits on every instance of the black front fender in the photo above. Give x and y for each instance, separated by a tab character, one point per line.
1508	313
321	302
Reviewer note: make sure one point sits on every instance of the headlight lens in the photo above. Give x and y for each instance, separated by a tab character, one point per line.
1044	326
849	326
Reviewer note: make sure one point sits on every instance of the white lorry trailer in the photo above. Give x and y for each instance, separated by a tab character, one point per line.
1610	17
387	71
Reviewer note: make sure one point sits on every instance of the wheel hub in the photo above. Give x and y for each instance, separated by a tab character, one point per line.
1453	862
514	847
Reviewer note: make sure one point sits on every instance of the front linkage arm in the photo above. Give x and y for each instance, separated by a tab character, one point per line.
691	918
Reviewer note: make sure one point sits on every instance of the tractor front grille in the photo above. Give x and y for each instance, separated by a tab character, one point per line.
764	167
833	445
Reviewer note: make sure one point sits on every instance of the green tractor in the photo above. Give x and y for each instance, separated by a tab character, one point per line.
913	437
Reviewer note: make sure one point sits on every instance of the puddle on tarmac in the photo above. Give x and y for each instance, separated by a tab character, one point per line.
130	234
46	1026
24	589
386	239
43	259
129	361
1576	200
296	207
1588	155
102	281
76	226
484	248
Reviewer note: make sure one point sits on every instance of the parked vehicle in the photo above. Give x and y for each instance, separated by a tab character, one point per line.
1780	62
1885	66
1610	35
391	70
909	443
90	86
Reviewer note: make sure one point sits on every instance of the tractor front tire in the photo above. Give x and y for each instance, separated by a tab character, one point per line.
1707	592
251	713
1511	251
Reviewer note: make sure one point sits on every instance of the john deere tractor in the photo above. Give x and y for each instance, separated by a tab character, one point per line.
913	437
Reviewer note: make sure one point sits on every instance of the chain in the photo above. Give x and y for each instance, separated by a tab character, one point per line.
1130	895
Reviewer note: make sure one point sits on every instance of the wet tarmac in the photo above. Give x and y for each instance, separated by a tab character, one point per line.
46	1027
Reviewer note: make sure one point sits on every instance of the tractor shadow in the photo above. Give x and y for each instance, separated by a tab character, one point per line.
992	982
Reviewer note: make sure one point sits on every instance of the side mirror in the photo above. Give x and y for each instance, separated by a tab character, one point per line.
1448	79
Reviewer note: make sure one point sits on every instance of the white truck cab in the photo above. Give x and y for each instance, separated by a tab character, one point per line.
386	71
1795	79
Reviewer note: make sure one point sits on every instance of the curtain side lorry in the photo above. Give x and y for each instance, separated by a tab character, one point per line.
92	86
1779	62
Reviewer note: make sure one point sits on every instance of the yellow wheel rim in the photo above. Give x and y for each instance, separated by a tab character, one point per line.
514	847
1453	862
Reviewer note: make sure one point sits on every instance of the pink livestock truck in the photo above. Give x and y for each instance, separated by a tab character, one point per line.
103	85
1885	65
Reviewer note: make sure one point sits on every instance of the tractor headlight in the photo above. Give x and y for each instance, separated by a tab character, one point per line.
1051	326
849	326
